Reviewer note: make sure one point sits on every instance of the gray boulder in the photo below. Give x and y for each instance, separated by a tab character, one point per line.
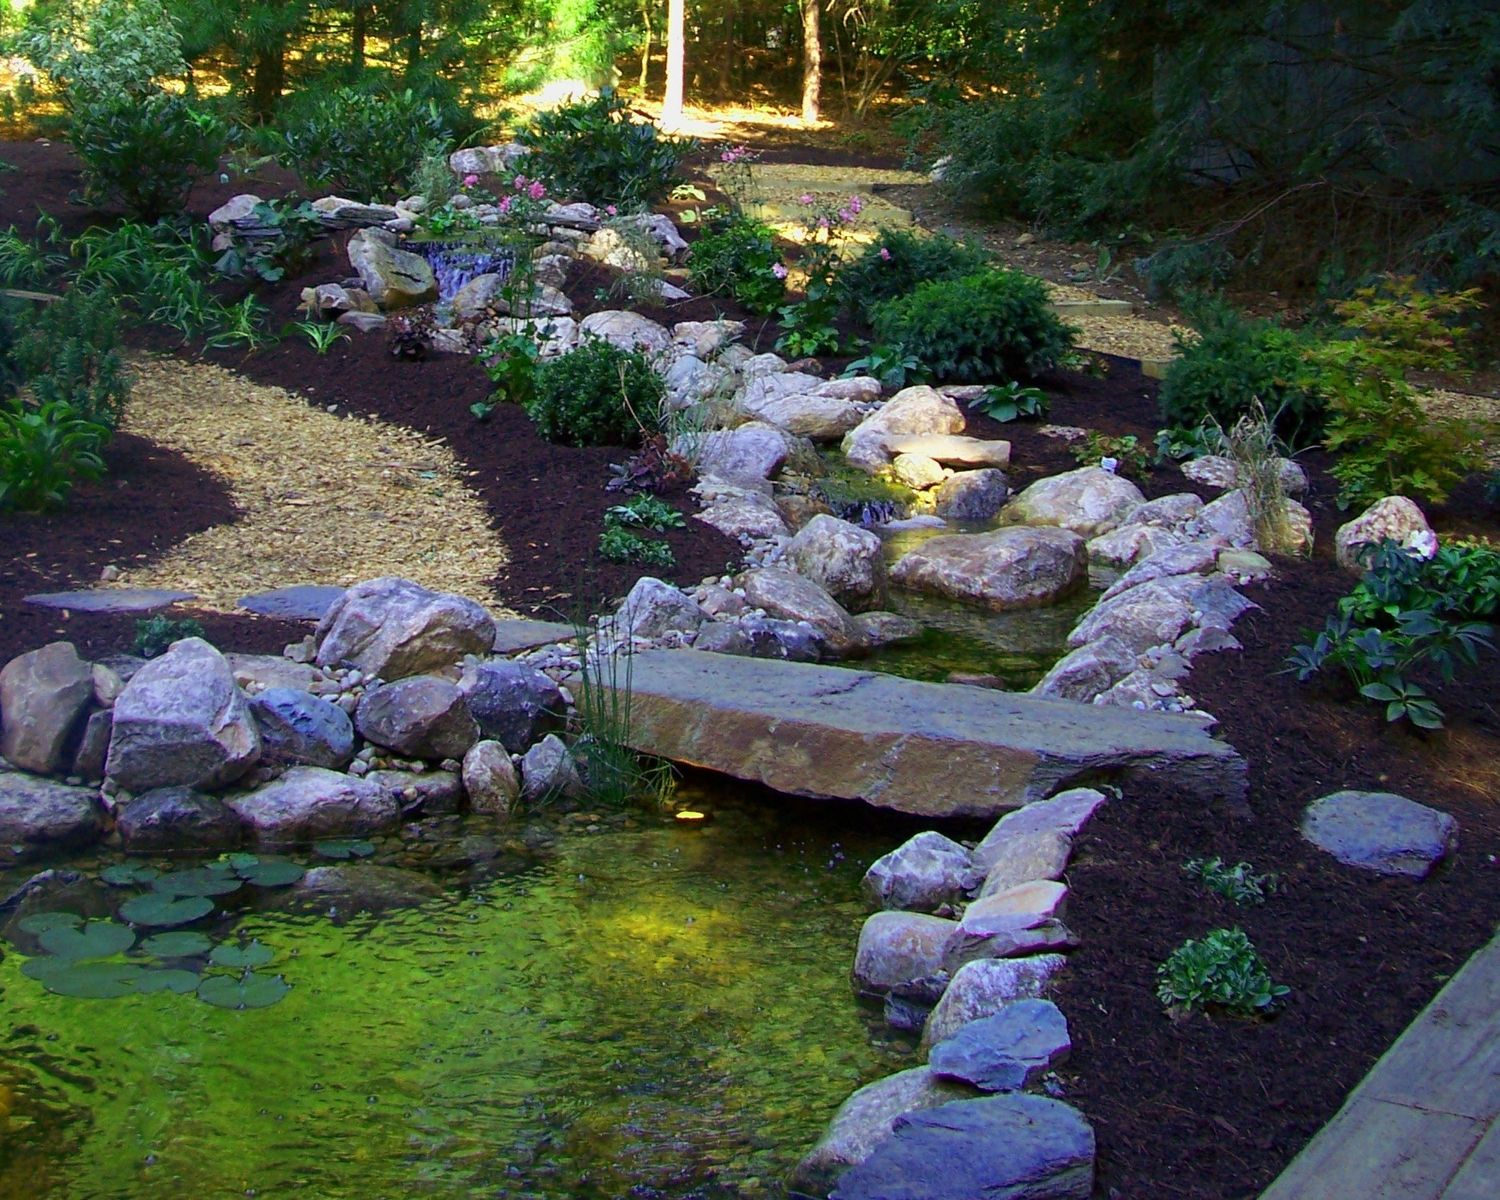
548	770
394	278
308	803
1001	570
1065	813
490	779
420	717
973	496
182	721
627	330
918	409
1189	558
1089	501
897	947
654	607
1092	668
298	727
391	627
38	816
1006	1052
1380	832
786	594
1024	857
513	704
1393	517
984	987
1149	614
44	695
1014	923
922	874
753	451
177	819
842	559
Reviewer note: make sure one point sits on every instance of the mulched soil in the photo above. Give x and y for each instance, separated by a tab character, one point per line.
1204	1108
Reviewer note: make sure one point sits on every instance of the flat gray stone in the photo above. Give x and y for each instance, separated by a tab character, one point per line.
1008	1051
303	602
177	819
1065	813
1014	1147
1381	832
110	600
513	635
932	749
312	802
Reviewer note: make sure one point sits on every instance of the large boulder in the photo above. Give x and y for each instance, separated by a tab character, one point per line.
806	414
298	727
1150	614
1022	920
918	409
897	947
972	496
841	558
920	875
984	987
1089	501
514	704
1380	832
44	696
390	628
753	451
177	819
38	816
1005	569
786	594
653	608
421	717
308	803
1089	670
393	278
627	330
182	721
1393	517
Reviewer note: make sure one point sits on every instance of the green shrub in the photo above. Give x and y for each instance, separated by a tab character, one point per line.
145	153
591	150
357	143
43	450
155	635
987	326
739	259
597	395
619	544
71	354
898	261
1231	362
1223	971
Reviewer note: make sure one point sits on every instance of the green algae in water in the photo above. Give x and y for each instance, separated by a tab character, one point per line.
656	1009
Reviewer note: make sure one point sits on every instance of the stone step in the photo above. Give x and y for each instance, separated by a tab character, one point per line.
932	749
1093	308
110	600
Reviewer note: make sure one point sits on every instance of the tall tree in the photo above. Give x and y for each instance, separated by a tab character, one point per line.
671	103
812	63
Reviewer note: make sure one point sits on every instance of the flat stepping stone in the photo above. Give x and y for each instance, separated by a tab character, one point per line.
1008	1051
951	449
516	634
1380	832
1016	1146
110	600
301	602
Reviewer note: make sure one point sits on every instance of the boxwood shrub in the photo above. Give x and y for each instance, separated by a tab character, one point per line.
597	395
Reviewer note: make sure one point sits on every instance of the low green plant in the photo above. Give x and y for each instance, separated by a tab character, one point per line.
239	324
1010	402
1123	455
43	451
145	153
645	511
738	258
25	263
433	178
153	635
70	354
1179	444
805	333
898	261
289	229
993	325
510	360
1238	883
1182	270
622	545
1221	972
807	324
1460	580
322	336
892	365
597	395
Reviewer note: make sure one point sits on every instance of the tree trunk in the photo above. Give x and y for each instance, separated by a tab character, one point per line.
361	17
671	103
268	81
812	63
646	48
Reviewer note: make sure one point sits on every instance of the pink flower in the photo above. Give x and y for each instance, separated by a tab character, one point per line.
846	215
885	254
805	198
519	183
779	271
505	202
824	223
611	210
536	191
855	205
470	180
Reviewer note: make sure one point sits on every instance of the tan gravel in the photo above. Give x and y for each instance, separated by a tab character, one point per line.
325	499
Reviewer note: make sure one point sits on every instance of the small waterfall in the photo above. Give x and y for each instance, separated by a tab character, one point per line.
456	263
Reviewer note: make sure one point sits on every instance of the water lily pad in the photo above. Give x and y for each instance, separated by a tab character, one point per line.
199	881
128	874
274	872
248	954
251	991
159	908
85	980
165	979
96	939
345	848
35	923
237	861
180	943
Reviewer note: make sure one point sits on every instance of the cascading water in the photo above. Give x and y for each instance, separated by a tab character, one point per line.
456	263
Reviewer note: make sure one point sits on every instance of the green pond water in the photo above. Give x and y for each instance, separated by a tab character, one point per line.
645	1011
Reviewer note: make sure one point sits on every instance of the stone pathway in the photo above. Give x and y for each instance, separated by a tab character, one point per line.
1423	1124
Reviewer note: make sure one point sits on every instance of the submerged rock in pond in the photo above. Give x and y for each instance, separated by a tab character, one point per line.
973	496
38	816
1088	501
44	695
897	947
922	874
1001	570
311	802
177	819
361	887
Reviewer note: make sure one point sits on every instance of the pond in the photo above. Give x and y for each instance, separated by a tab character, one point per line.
610	1007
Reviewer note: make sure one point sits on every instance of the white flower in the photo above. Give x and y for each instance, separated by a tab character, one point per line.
1422	542
1109	464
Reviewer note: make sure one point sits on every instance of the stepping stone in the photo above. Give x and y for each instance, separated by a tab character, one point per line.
1008	1051
513	635
951	449
302	602
110	600
1381	832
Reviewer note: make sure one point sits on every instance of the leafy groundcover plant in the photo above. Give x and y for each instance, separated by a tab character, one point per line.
1221	972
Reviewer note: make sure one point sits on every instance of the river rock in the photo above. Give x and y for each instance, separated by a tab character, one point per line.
627	330
786	594
1189	558
420	717
1131	543
653	608
391	628
308	803
512	703
842	559
1174	512
1393	517
916	472
548	770
983	988
897	947
177	819
1088	501
1065	813
951	450
1150	614
93	746
706	339
1014	923
886	628
1008	1051
972	496
297	727
490	779
1024	857
393	278
182	721
1019	1147
487	160
44	695
1380	832
38	816
1092	668
865	1120
428	793
1001	570
922	874
753	451
918	409
257	672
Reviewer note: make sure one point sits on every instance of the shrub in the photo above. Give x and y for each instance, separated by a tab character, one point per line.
71	355
144	153
1123	455
357	143
898	261
123	48
739	259
1223	971
43	450
591	150
155	635
1010	402
597	395
1230	363
990	325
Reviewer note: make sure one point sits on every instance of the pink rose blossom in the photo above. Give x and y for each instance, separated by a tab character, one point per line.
885	254
470	180
779	271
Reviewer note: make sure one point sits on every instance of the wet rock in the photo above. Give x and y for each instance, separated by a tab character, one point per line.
886	628
393	278
897	947
548	770
182	721
983	988
430	793
918	409
951	450
297	727
786	594
1088	501
1085	672
512	703
308	803
922	874
391	628
653	608
419	717
916	472
1008	1051
1393	517
1001	570
44	695
1380	832
177	819
972	496
1189	558
38	816
1065	813
842	559
364	887
490	780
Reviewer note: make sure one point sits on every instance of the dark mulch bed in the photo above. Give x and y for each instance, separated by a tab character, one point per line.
1200	1108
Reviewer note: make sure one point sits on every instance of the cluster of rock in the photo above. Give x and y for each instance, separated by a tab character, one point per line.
962	950
400	706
